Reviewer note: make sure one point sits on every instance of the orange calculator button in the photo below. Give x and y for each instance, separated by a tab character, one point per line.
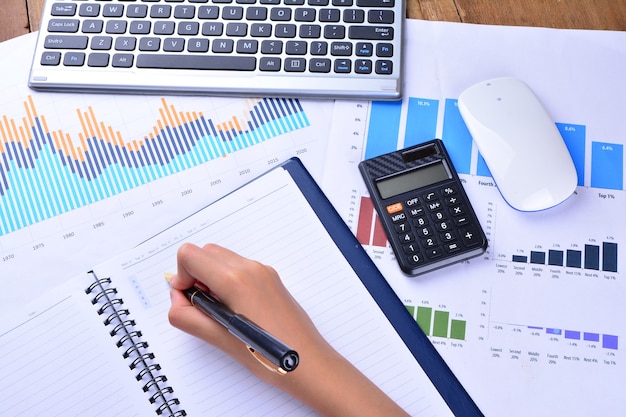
394	208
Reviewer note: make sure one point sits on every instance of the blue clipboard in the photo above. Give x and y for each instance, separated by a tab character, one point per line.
449	387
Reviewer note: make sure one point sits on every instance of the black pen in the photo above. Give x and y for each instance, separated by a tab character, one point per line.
258	341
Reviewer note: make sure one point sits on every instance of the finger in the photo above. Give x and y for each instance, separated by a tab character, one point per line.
186	317
216	267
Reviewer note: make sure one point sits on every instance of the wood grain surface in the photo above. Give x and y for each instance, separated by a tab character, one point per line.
18	17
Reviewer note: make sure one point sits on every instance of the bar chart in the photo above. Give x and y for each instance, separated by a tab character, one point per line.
418	120
45	172
370	230
606	341
598	257
438	322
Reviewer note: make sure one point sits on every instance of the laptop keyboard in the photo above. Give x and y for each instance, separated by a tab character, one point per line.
302	48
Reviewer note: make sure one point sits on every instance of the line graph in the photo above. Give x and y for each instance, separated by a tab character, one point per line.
45	172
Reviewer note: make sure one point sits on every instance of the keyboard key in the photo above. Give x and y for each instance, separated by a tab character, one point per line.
63	25
320	65
93	26
173	61
51	58
247	46
269	64
363	66
89	10
112	10
371	33
66	42
375	3
343	66
63	9
74	59
98	59
122	60
341	48
101	43
295	64
384	67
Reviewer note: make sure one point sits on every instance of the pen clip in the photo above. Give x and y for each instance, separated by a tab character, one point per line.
263	361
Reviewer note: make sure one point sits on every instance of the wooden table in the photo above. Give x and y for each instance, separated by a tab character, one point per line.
18	17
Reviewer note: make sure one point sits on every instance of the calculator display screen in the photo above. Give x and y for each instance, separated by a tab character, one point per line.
412	180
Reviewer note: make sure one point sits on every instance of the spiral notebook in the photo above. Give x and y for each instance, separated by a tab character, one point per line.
101	344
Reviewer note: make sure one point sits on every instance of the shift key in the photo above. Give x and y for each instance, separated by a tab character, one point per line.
66	42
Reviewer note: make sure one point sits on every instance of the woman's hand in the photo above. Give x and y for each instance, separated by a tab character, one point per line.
324	379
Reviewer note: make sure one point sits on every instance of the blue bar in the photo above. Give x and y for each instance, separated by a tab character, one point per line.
553	331
609	257
592	257
383	128
591	337
457	138
555	257
609	341
574	138
481	168
421	121
537	257
574	259
607	165
572	334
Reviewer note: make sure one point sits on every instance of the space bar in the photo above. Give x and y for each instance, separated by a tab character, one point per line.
193	62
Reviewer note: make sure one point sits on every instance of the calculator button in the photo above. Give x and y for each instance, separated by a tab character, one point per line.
435	205
461	221
394	208
470	237
448	191
443	226
451	201
398	217
438	216
420	222
415	259
425	231
418	211
434	252
448	236
457	211
402	227
410	248
430	196
429	243
412	202
406	237
452	247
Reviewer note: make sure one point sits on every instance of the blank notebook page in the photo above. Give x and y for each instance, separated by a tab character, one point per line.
268	220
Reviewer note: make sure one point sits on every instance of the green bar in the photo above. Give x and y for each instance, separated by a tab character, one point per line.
440	327
411	310
423	318
457	329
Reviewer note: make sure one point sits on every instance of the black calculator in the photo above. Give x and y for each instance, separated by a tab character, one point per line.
422	205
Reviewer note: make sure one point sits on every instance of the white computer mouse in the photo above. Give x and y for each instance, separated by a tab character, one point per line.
520	143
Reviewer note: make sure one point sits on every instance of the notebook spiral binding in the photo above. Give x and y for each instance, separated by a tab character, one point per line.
136	350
